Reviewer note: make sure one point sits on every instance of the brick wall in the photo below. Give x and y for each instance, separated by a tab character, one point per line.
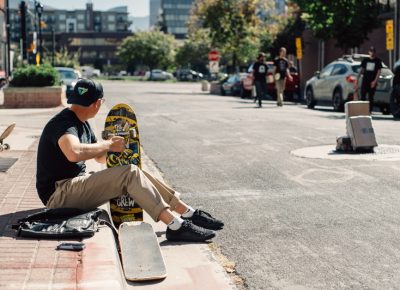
30	97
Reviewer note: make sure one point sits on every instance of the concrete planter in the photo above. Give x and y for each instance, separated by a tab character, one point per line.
215	88
34	97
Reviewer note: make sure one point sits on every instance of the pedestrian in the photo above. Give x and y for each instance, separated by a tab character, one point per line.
68	141
281	72
260	70
395	95
370	69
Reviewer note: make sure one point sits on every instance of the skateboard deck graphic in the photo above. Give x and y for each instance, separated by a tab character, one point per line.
4	135
121	121
140	252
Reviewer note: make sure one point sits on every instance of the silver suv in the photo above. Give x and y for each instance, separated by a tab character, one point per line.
334	85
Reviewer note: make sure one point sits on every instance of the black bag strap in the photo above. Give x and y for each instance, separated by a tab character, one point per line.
53	214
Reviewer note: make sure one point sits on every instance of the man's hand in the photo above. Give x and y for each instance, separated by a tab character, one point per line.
117	144
373	84
290	78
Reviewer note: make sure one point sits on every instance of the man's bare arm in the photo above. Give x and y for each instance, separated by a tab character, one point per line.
75	151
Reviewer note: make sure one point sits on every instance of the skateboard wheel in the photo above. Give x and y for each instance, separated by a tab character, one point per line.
132	133
6	147
105	135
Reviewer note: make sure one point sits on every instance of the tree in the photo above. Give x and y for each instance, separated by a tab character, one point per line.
293	27
231	26
348	21
194	52
65	58
154	49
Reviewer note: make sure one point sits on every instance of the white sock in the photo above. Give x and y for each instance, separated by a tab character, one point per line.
175	224
188	213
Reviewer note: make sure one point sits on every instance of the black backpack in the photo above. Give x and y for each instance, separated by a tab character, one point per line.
59	223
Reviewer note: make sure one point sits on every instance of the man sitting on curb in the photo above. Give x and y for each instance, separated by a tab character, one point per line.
68	141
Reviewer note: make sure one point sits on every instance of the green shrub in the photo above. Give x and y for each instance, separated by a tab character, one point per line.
35	76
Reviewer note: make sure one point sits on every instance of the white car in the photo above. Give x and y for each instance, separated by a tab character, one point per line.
158	75
335	85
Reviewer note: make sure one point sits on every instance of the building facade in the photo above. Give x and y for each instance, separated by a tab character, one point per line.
96	34
155	13
175	16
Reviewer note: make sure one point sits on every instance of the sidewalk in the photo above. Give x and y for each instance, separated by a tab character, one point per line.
32	264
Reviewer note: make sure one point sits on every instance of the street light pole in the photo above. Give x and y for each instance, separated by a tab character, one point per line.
396	30
8	63
39	10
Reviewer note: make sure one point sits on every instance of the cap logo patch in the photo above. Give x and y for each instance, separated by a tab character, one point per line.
81	90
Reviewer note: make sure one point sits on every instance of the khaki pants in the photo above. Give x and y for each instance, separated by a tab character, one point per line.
91	191
280	88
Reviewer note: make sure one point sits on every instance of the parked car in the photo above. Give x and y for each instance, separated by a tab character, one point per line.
334	84
68	77
158	75
188	75
292	87
233	84
89	72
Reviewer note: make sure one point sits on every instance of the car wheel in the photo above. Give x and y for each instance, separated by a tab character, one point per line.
395	102
385	109
223	93
289	95
242	92
310	100
337	101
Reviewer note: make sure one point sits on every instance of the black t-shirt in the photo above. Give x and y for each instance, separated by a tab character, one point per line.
52	165
396	78
371	67
260	71
281	65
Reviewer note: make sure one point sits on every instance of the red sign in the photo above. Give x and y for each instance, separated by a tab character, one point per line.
213	55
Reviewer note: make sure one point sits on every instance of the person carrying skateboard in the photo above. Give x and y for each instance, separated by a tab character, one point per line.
260	70
68	141
371	70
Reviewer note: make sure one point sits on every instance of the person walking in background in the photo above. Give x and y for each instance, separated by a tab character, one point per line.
260	70
370	69
281	72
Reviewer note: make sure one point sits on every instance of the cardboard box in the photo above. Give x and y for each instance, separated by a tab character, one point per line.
356	108
361	132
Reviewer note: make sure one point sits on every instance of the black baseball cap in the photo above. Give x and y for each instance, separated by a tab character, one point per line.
372	49
86	92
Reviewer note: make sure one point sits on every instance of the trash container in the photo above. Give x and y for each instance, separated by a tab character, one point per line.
204	86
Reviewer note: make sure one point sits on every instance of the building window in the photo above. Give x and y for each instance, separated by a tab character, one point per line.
111	17
81	26
111	27
62	27
61	17
80	16
71	27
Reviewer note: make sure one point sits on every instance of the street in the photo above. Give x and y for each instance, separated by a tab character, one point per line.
291	223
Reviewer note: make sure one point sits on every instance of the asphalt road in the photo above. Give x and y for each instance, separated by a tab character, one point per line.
291	223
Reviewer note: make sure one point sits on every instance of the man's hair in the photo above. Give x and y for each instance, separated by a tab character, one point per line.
260	55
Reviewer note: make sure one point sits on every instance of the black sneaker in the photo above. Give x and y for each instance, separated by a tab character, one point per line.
205	220
189	232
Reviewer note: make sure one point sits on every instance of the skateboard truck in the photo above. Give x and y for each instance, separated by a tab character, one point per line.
105	135
3	136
